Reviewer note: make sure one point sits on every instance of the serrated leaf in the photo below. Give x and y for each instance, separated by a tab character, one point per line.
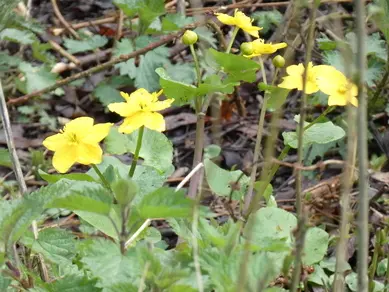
276	95
107	94
380	16
11	61
89	44
222	182
205	35
56	245
19	36
237	67
266	19
37	78
73	283
174	21
320	133
165	203
105	262
156	150
181	72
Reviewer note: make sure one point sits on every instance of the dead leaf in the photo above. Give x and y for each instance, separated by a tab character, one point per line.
181	119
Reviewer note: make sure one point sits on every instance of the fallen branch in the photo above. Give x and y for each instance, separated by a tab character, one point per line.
66	24
114	61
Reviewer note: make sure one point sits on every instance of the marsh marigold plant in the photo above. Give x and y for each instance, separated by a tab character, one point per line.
241	21
78	142
141	109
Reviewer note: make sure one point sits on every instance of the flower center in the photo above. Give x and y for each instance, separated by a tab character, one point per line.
72	138
342	89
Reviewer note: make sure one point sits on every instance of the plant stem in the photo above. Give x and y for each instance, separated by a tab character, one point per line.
102	177
257	148
198	154
301	228
18	171
195	247
374	261
363	197
234	33
197	64
348	179
137	149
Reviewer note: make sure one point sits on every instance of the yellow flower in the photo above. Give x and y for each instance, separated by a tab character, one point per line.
260	48
240	20
140	109
77	142
341	91
295	78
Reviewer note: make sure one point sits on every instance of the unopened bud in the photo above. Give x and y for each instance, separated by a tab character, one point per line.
278	61
189	38
125	190
247	48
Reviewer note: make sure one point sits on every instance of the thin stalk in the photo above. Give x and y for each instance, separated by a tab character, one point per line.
374	261
123	233
142	284
387	271
257	148
301	228
136	154
348	179
363	198
198	154
18	171
234	33
102	177
195	247
196	62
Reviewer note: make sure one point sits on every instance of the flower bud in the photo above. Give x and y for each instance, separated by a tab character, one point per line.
278	61
189	38
247	48
125	191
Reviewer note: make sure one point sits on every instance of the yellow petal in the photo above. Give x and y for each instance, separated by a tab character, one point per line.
354	101
55	142
291	82
329	79
337	99
98	133
64	158
295	70
89	154
160	105
252	30
155	95
125	95
226	19
153	121
80	125
124	109
310	87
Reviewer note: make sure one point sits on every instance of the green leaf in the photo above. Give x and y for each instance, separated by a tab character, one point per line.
37	78
73	283
5	158
316	244
19	36
213	83
266	19
107	94
272	224
84	196
4	282
206	35
52	178
319	277
382	267
105	262
352	283
156	150
11	61
89	44
102	222
222	182
326	44
174	21
320	133
40	52
237	67
184	73
56	245
276	95
165	203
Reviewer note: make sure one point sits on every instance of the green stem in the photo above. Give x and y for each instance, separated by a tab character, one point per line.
257	148
363	196
197	64
234	33
136	154
102	177
374	262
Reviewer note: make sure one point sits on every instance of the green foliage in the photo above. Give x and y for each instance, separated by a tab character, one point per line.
5	158
267	19
225	183
379	13
37	78
319	133
276	95
19	36
89	44
157	150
